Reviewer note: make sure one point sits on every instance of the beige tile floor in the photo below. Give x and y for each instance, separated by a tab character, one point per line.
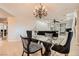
14	48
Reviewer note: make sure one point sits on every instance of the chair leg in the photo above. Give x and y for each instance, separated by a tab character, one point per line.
27	54
41	51
22	53
66	54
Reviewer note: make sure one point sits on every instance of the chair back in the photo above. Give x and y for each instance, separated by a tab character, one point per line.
29	34
26	40
67	44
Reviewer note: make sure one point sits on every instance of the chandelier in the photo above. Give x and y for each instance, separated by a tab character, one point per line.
40	11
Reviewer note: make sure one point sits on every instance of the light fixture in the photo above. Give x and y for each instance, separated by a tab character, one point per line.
40	11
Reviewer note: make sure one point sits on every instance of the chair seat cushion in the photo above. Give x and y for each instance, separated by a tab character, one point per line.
34	47
60	49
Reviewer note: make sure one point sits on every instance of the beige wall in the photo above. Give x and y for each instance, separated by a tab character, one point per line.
23	16
11	28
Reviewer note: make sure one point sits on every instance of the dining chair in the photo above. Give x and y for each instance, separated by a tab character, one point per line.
34	35
29	46
55	36
64	49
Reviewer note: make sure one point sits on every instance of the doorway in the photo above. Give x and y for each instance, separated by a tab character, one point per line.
3	28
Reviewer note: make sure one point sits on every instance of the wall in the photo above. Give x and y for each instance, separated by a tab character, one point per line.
24	19
11	28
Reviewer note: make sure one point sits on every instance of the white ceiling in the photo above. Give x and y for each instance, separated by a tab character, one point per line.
25	10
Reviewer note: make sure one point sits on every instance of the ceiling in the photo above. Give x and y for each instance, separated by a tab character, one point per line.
26	10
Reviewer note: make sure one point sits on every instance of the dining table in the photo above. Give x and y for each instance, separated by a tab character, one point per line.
47	41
